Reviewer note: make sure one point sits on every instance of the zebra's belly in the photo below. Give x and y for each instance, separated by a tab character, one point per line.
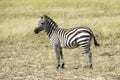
69	47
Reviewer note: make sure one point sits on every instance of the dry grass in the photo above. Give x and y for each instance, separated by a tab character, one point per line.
26	56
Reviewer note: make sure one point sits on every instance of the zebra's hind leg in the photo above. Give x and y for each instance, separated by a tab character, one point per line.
85	44
89	55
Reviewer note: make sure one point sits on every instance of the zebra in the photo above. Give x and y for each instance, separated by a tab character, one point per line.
67	38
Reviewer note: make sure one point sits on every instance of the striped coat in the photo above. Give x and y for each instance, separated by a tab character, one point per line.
67	38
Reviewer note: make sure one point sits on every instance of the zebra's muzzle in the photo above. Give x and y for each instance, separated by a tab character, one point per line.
38	29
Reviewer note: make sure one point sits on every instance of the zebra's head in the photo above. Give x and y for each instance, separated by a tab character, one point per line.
42	24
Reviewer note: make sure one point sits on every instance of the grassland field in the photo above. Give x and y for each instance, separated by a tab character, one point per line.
27	56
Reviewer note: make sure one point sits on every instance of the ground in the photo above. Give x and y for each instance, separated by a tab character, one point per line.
27	56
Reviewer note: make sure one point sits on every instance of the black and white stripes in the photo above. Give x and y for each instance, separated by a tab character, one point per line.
67	38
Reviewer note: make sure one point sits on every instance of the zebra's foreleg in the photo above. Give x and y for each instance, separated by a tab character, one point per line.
61	54
58	56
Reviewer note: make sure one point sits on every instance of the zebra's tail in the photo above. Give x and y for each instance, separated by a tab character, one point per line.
95	41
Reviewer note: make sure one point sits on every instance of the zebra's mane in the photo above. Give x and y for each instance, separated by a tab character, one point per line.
51	21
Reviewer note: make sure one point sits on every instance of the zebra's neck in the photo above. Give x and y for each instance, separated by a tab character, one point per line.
51	28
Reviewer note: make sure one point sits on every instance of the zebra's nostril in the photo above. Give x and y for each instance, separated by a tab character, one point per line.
36	31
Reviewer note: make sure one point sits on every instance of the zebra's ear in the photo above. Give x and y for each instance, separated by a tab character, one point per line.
41	17
45	16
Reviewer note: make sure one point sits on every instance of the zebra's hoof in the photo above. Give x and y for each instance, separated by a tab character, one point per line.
88	66
62	66
58	66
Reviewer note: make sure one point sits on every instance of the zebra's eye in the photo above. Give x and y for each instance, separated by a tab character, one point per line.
41	17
